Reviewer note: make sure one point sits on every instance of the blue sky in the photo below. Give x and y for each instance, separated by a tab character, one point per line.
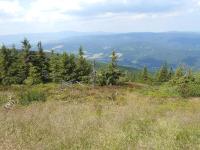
33	16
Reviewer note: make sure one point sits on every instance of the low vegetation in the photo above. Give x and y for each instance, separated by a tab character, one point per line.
114	117
30	96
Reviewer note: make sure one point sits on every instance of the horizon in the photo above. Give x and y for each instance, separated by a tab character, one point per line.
98	32
125	16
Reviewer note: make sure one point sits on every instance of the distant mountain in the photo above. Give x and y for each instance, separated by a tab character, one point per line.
44	37
134	49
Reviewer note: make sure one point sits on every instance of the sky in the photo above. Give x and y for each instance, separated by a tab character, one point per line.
35	16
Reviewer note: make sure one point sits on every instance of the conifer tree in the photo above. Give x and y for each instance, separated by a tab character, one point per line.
163	73
13	70
179	72
34	76
55	68
8	67
111	75
23	64
4	63
42	63
170	74
72	67
83	67
145	75
68	67
179	76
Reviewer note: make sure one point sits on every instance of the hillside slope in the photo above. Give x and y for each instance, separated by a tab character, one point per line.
138	49
134	49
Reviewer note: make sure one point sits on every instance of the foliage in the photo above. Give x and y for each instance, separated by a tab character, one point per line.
55	67
34	67
163	74
186	85
110	75
30	96
145	75
68	65
161	91
34	76
42	64
83	67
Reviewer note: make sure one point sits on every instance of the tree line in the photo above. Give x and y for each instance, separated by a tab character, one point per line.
25	66
183	80
165	74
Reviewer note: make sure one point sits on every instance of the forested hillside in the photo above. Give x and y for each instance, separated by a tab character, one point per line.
135	49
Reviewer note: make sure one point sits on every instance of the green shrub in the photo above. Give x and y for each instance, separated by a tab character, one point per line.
194	90
32	95
163	91
188	88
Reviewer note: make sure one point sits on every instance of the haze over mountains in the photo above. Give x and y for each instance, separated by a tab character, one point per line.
134	49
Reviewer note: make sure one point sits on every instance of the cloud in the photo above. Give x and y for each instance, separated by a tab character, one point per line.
58	47
55	10
129	6
97	56
48	11
119	55
10	7
81	15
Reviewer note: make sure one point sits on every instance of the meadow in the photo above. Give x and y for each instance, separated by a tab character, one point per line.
51	117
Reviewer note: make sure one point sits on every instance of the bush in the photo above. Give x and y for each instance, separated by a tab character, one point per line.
30	96
188	87
163	91
194	90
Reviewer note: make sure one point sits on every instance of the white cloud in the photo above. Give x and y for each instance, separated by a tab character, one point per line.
55	10
58	47
119	55
97	56
10	7
95	15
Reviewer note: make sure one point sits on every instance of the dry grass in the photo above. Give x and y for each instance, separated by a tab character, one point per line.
101	118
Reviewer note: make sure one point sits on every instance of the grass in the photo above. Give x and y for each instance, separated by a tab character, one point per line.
30	96
100	118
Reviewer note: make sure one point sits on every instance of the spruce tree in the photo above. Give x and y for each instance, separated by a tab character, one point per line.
111	75
68	67
170	74
55	68
34	76
113	70
178	77
163	73
4	64
145	75
8	67
83	67
42	63
179	72
72	67
13	70
24	60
